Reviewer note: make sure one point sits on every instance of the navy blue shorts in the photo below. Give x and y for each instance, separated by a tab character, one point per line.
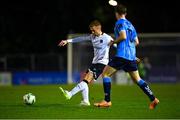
123	64
97	69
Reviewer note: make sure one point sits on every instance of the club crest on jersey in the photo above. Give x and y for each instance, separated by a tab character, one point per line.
101	41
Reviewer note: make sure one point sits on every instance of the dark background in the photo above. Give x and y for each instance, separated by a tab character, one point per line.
31	26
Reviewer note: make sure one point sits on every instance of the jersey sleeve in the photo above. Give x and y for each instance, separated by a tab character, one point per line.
80	39
120	27
134	35
110	39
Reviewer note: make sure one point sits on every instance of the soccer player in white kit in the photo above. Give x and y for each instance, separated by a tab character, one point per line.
101	44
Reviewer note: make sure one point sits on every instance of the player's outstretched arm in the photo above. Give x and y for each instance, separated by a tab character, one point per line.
74	40
62	43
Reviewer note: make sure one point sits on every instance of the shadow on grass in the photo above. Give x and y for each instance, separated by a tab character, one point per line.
42	106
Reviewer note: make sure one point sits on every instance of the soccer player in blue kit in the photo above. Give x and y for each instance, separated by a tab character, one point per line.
125	58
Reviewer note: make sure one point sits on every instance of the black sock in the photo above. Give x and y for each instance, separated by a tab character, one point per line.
107	88
146	89
85	81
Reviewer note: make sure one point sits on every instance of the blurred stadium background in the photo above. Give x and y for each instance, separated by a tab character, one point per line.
31	30
160	54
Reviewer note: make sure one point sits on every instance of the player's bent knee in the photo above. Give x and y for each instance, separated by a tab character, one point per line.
108	71
105	75
89	76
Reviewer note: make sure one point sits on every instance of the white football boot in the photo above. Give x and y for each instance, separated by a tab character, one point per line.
84	103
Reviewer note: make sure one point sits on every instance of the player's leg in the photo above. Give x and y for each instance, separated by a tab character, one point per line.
83	86
106	75
145	87
79	87
85	91
114	65
142	84
94	74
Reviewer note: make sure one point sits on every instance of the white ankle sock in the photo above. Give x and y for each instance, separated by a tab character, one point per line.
79	87
85	93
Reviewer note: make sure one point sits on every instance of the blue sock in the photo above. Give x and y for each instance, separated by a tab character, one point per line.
107	88
146	89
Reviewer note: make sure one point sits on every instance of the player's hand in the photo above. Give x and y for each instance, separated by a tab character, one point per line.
138	60
63	43
111	42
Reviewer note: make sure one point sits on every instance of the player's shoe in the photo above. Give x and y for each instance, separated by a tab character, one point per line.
84	103
65	93
153	104
103	104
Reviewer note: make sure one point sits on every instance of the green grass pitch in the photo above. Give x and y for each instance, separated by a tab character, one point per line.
128	102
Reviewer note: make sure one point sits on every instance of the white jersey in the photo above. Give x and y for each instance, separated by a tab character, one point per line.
100	45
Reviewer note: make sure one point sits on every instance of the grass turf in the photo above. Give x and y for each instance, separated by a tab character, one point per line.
128	102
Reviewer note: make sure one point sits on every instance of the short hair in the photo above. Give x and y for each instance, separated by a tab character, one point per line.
121	9
94	23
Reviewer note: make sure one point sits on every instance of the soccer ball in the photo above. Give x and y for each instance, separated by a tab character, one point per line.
29	99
